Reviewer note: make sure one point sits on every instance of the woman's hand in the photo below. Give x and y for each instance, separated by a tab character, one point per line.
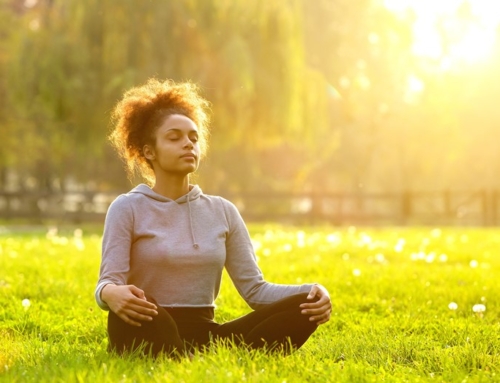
320	309
129	303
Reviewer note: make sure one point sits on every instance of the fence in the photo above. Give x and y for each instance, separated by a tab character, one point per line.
444	208
454	208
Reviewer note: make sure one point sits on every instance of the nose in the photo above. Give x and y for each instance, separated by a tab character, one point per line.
188	144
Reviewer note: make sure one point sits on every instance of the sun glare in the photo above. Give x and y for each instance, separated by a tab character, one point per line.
451	31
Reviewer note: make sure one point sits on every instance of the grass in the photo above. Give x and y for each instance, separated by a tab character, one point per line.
391	289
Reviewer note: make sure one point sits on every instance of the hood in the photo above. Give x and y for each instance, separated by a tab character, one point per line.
145	190
194	193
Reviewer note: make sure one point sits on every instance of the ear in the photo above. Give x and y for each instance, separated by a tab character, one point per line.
149	152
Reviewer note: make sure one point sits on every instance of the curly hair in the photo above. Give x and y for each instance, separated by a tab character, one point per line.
142	110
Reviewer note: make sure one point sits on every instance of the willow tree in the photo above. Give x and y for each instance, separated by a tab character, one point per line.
73	59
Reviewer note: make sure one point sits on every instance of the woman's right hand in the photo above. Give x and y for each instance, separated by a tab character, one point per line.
129	303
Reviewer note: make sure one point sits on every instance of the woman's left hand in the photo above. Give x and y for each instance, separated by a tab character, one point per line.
320	309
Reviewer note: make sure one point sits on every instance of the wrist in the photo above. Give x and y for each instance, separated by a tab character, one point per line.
106	289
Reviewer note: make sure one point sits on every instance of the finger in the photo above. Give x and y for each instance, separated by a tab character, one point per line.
320	319
142	310
139	317
128	320
133	314
313	292
324	301
314	305
320	306
318	311
323	321
137	292
141	303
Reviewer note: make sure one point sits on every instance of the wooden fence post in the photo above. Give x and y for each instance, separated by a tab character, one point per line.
485	208
448	210
494	207
406	206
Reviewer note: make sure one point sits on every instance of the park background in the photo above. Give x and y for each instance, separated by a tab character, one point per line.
375	120
386	111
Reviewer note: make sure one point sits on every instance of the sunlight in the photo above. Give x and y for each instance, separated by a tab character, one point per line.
415	84
451	31
415	87
476	45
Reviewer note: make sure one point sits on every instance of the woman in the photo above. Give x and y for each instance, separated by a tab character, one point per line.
165	245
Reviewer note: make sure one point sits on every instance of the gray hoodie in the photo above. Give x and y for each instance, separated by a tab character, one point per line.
175	250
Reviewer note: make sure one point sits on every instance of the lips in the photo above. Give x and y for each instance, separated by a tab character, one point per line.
189	155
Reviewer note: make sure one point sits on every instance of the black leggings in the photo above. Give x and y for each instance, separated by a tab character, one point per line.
276	327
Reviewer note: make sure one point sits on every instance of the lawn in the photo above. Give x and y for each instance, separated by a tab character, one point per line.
409	305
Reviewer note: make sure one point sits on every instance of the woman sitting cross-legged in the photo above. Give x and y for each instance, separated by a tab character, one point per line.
166	243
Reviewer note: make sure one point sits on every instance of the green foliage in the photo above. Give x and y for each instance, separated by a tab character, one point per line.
391	291
305	94
72	61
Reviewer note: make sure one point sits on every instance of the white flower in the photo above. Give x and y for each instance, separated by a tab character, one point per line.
479	308
26	303
453	306
356	272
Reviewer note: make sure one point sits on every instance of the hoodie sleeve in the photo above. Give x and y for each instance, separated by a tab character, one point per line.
241	265
116	243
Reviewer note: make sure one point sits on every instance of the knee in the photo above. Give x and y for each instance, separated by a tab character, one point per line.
302	298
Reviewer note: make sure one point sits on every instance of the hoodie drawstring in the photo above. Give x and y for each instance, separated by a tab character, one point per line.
195	244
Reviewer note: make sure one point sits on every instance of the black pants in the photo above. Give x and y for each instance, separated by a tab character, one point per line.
276	327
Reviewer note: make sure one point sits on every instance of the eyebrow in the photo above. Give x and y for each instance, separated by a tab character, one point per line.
181	130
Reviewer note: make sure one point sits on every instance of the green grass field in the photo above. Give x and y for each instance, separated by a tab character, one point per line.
407	307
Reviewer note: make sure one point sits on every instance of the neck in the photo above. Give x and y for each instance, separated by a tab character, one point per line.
171	187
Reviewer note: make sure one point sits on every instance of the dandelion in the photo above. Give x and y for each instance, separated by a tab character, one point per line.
356	272
287	247
443	258
52	232
479	309
418	256
473	263
365	239
453	306
429	258
333	238
79	244
63	241
436	233
399	245
301	239
26	303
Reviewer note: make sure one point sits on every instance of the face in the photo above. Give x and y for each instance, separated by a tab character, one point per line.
176	150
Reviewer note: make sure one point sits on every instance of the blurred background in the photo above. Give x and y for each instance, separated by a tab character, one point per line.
338	111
